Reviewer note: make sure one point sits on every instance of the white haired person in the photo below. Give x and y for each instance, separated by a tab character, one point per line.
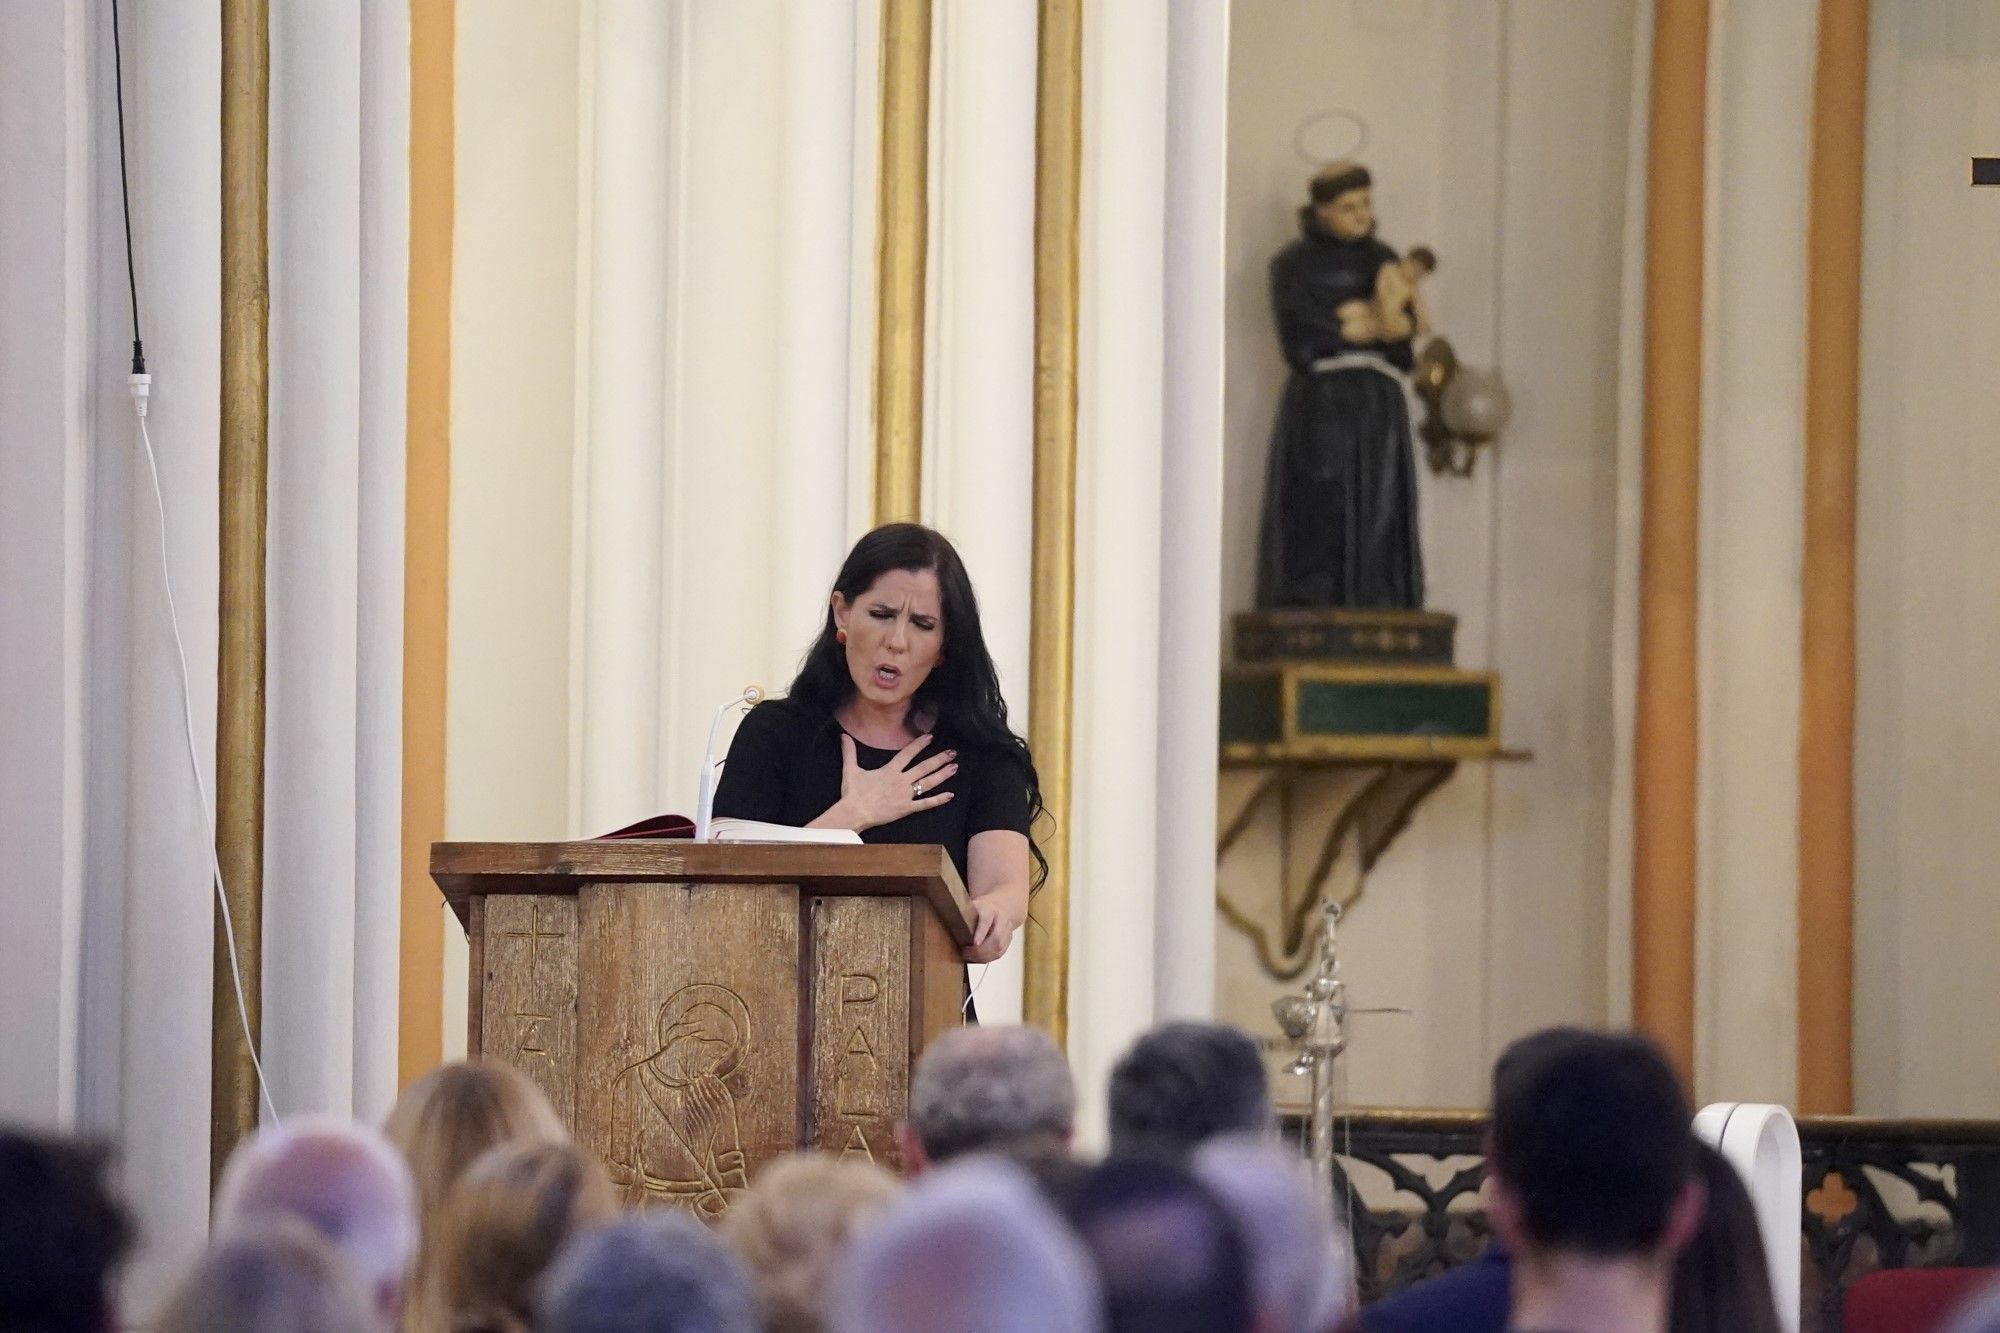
341	1179
973	1248
1301	1262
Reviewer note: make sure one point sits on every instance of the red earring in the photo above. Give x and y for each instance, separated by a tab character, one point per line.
840	636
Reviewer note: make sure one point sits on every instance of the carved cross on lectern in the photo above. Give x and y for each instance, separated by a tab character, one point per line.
534	934
1986	171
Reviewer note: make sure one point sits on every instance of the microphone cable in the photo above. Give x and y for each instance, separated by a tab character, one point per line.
139	384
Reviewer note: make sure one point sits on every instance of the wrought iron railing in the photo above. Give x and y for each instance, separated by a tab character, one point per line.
1878	1194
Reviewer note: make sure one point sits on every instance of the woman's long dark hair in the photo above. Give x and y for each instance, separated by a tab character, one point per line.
1721	1281
962	693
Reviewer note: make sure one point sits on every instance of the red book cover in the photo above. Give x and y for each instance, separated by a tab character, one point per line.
654	826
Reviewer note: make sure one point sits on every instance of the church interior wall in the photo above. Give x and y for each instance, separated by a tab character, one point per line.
1927	763
626	447
513	413
716	408
619	324
1751	541
1497	133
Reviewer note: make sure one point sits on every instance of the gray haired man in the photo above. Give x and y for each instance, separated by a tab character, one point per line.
1003	1089
345	1182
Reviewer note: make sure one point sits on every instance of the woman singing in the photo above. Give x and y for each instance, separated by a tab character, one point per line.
895	728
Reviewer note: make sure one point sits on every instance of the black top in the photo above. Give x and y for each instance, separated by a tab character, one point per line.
1311	279
784	768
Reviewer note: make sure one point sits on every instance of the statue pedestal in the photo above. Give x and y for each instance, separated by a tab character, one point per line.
1335	727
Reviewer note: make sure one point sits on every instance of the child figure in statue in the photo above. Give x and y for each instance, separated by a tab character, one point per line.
1340	498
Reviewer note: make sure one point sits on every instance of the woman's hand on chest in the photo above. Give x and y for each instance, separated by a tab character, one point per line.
872	797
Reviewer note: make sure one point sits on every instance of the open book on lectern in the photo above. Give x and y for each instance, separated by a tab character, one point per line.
704	827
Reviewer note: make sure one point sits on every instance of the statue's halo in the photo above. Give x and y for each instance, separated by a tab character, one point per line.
1330	135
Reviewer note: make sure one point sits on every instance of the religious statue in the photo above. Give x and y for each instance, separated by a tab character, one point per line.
675	1138
1340	498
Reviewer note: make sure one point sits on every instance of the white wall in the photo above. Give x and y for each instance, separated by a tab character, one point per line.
652	298
45	475
1498	134
514	357
1927	766
1751	543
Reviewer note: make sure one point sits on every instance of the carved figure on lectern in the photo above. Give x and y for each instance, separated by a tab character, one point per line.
1340	492
674	1132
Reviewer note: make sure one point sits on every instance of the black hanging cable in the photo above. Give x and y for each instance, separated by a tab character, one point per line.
125	190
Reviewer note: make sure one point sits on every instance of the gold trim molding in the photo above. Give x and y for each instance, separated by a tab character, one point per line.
426	532
1058	191
239	717
1665	748
1827	602
902	235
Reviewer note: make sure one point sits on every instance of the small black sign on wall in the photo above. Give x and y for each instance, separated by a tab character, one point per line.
1986	171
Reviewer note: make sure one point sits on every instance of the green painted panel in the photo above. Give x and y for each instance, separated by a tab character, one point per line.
1395	708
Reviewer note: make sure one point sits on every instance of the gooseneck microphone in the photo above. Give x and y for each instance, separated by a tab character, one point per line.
704	810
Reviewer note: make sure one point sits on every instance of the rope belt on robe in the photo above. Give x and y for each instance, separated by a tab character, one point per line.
1357	361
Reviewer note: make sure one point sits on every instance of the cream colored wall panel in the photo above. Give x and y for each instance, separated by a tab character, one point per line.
1561	237
1927	765
1193	451
812	446
979	459
1119	422
515	410
45	532
1761	80
717	622
513	413
636	62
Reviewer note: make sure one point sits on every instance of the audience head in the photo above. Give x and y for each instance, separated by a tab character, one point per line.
450	1116
501	1228
659	1272
1592	1154
1169	1256
1722	1283
1000	1088
794	1228
341	1179
1185	1083
442	1124
62	1235
974	1243
277	1274
1301	1262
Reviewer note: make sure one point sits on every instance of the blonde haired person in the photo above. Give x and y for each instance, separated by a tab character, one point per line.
503	1225
441	1124
793	1228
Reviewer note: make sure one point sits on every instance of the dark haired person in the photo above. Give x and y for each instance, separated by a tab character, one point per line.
1182	1084
1169	1255
63	1235
1722	1282
896	728
1593	1182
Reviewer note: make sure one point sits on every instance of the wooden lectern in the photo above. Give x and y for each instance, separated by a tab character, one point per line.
696	1010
